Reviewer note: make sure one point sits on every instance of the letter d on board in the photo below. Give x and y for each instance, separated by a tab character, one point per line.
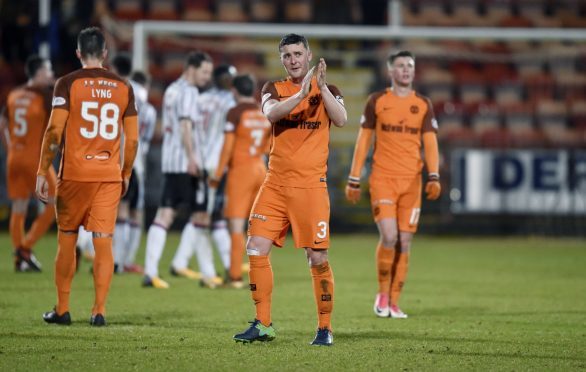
507	172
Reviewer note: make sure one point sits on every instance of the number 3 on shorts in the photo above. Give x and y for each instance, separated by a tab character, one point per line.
323	229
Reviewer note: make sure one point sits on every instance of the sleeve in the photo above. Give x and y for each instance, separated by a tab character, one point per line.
61	95
429	121
232	120
131	107
269	91
47	95
150	121
368	118
187	102
337	93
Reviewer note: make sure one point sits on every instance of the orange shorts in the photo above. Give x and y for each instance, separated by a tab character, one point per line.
307	211
21	178
398	198
242	185
91	204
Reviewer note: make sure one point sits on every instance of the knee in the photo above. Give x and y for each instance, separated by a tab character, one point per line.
258	246
405	244
388	239
97	235
316	257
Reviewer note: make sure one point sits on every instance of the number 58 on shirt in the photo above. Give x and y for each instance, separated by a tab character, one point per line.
106	125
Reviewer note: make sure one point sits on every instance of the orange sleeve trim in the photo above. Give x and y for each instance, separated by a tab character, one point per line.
431	151
130	144
363	143
226	155
52	139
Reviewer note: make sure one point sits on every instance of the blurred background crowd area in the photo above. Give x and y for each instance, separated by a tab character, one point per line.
491	94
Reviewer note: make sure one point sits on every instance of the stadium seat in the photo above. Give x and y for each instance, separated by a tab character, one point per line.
128	9
162	10
263	11
553	122
230	11
197	10
300	11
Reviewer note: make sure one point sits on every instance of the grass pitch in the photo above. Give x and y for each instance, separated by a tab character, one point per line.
473	304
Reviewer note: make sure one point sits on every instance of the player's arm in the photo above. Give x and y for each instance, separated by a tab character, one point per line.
186	140
275	110
4	134
225	156
334	105
51	144
149	131
431	154
363	143
130	149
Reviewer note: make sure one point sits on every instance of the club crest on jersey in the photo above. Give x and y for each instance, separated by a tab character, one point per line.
314	100
414	109
58	101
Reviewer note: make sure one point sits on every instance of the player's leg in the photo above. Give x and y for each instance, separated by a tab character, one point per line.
121	234
135	228
84	242
408	210
156	238
323	290
241	190
202	247
64	272
258	249
177	190
311	230
134	237
237	242
385	253
44	219
102	222
268	226
73	200
16	228
220	235
384	210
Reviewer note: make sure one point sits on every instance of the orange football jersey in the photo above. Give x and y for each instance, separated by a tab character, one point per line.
252	131
300	144
97	102
399	123
27	111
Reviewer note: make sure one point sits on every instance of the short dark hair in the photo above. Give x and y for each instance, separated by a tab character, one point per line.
244	84
402	53
196	58
223	75
140	77
32	65
122	63
293	39
91	42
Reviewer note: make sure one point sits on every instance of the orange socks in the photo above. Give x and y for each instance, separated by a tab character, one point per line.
323	289
399	273
16	229
40	226
103	271
384	263
261	286
64	269
236	253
